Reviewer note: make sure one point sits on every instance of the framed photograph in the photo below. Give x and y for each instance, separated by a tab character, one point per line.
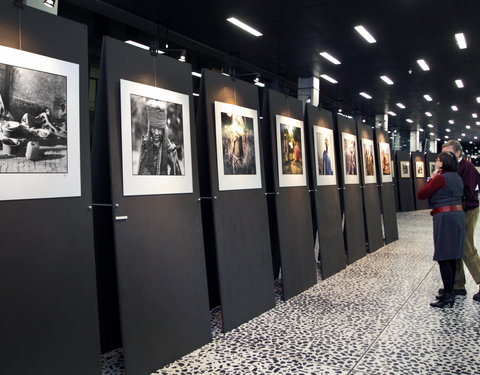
419	169
324	156
290	152
156	142
404	169
368	161
350	158
238	148
39	126
385	162
432	165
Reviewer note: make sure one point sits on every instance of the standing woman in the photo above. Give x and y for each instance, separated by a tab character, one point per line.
444	193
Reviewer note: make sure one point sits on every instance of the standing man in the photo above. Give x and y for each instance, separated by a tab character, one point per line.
471	182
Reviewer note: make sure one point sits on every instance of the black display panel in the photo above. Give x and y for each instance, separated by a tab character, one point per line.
326	200
404	181
157	238
352	200
47	263
238	239
292	209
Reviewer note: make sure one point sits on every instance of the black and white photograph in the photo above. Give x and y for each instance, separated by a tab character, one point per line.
368	161
156	151
350	158
324	156
404	169
290	152
39	126
419	169
385	162
238	147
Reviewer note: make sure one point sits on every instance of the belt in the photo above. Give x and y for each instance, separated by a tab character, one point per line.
457	207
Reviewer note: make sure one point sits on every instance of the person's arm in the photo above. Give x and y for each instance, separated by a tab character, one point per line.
431	187
470	181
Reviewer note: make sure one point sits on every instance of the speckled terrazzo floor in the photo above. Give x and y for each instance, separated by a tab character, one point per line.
373	318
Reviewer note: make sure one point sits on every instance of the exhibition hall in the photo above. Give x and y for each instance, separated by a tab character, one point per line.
276	187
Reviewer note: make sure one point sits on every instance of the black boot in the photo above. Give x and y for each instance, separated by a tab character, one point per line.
444	300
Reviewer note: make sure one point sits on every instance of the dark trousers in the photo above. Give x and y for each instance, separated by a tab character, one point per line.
447	271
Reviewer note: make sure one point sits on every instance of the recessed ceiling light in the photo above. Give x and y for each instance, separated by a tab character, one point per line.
467	126
478	99
391	113
477	123
195	94
432	133
446	137
454	108
451	122
463	134
474	115
330	58
420	130
459	83
430	125
447	130
427	97
365	34
428	114
459	139
226	74
365	95
462	43
438	139
423	64
409	121
475	137
386	80
244	26
196	74
261	84
400	105
328	78
470	143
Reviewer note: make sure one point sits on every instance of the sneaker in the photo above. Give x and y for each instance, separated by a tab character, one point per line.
459	292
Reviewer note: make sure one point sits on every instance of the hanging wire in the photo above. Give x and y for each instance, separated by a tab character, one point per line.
20	28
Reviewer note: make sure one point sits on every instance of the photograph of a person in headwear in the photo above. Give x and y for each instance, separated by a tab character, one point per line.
385	158
350	154
157	137
368	159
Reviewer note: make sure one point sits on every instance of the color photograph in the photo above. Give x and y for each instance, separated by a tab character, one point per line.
290	151
238	148
350	158
404	169
238	144
39	126
385	162
419	169
432	166
368	161
324	156
156	145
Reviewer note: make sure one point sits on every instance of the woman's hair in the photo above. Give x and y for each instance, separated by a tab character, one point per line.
449	161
